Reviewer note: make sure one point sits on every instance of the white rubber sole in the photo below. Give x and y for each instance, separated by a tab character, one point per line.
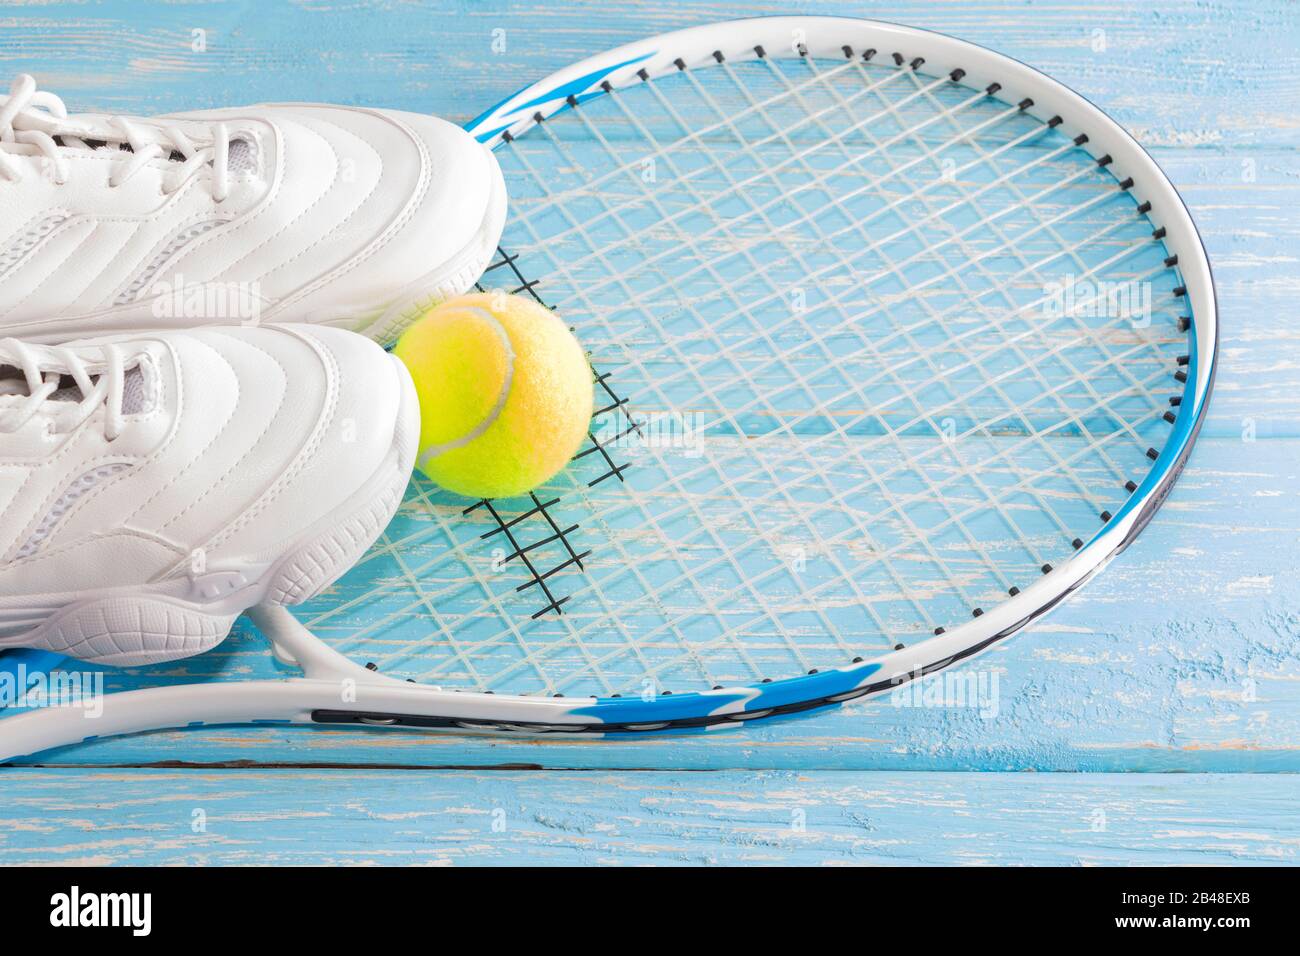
176	619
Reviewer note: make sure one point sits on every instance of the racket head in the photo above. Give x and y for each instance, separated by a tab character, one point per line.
587	173
832	38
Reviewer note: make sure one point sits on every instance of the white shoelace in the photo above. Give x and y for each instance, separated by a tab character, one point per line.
35	118
43	370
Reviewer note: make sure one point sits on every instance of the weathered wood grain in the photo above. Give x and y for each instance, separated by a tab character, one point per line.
1183	73
1184	655
611	819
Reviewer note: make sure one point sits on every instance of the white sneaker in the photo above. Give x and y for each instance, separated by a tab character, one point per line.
153	489
308	213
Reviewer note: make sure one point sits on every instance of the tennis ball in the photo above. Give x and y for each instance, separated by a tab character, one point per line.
505	393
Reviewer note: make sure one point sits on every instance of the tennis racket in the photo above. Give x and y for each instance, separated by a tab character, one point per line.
896	342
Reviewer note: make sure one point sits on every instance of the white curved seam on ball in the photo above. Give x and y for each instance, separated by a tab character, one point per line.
495	412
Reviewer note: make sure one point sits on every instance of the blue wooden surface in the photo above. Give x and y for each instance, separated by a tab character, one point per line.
196	817
1184	655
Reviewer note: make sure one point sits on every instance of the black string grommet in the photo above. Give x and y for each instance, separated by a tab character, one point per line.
1080	139
813	671
1184	323
717	55
992	89
1130	486
760	51
372	666
1175	400
856	660
1105	161
606	86
1024	104
1180	291
1126	184
1158	234
1106	516
1054	122
1152	454
1144	209
1184	359
1180	376
848	51
1047	569
1171	261
956	75
643	74
802	50
868	54
666	693
766	680
979	611
899	647
571	100
506	137
1170	417
899	59
918	63
938	631
1013	591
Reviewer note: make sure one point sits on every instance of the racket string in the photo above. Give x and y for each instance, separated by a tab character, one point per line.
732	556
1028	363
738	307
996	284
816	418
915	348
1072	251
881	486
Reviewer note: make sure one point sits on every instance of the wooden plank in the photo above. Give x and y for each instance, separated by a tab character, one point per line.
1189	76
610	819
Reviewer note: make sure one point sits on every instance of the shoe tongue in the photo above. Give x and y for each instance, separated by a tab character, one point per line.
241	154
133	392
242	157
14	385
12	380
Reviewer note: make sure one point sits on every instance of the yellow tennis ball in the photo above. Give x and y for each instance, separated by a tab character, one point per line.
505	393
